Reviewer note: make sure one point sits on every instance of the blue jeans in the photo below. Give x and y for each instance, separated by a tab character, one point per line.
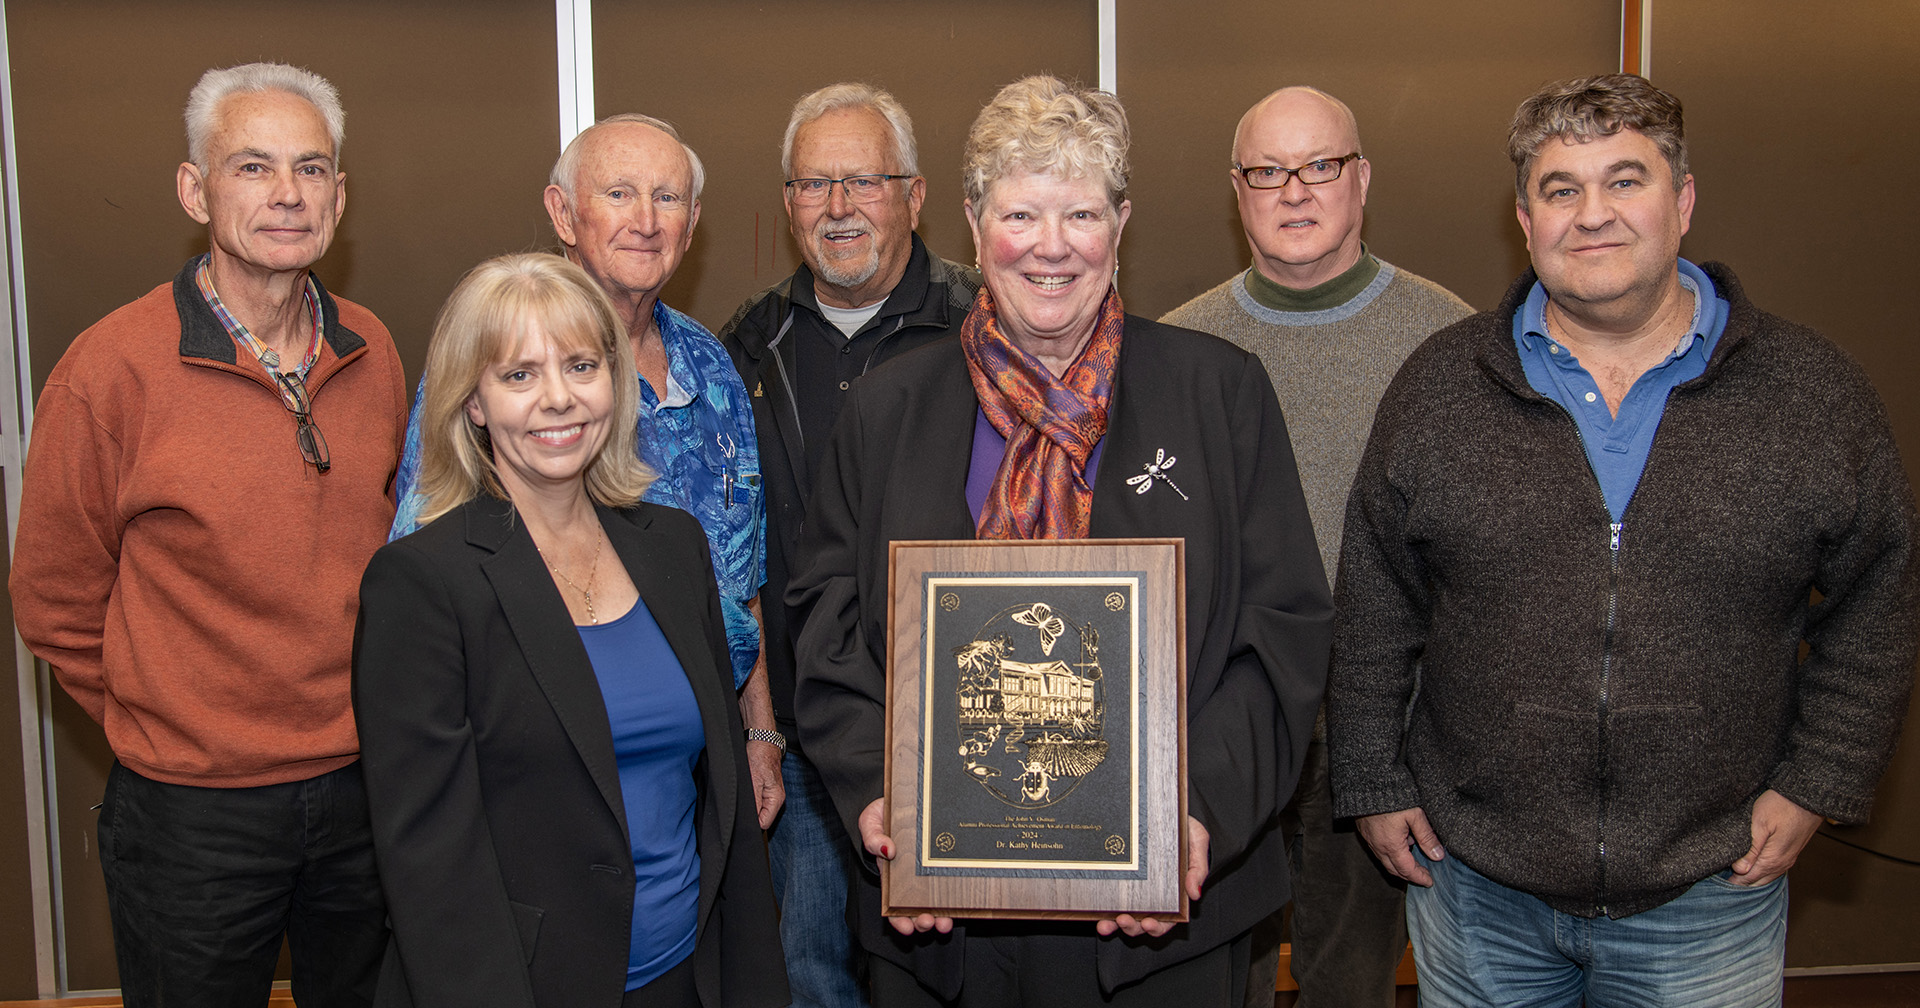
1477	942
813	866
203	883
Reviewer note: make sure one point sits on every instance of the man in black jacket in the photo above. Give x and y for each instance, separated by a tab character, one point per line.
869	291
1589	524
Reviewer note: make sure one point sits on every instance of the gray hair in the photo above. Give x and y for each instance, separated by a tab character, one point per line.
216	86
1587	108
567	167
1043	124
835	97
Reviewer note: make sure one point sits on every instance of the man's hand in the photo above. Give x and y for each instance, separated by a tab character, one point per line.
756	711
873	836
769	791
1391	835
1780	830
1198	840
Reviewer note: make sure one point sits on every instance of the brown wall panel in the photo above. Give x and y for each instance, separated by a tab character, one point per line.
730	88
452	123
1432	85
80	761
17	975
1806	161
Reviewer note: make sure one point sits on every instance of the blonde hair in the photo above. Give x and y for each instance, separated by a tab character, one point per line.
1047	126
482	323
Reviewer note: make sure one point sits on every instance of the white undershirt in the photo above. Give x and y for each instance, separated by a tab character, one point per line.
849	320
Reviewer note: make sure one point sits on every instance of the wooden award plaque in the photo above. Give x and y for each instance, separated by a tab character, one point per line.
1036	729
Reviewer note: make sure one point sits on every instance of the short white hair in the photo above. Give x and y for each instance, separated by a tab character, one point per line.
216	86
567	168
835	97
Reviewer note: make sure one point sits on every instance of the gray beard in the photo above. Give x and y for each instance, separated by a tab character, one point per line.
853	277
845	276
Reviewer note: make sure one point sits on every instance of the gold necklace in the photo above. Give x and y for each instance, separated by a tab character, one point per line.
594	568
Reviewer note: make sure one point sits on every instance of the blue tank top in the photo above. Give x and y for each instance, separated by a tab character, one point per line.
657	739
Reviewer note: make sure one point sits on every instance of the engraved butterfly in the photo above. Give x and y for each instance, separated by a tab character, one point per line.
1041	618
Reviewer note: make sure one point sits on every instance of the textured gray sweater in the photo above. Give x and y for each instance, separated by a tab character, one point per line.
1329	369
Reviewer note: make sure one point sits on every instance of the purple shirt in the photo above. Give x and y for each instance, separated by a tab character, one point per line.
988	449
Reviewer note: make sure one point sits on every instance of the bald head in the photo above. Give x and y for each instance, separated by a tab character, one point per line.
1292	102
624	202
1301	235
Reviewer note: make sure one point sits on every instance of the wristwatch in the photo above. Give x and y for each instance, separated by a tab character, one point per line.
778	740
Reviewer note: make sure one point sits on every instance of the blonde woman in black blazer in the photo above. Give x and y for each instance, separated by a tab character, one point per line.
501	819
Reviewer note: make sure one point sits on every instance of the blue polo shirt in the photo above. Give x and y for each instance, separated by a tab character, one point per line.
1617	446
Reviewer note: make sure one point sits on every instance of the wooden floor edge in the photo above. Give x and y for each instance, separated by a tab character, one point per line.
281	999
1283	981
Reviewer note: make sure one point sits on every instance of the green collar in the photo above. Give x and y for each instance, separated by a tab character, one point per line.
1332	294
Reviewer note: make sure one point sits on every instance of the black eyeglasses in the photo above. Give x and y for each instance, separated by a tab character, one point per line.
1312	173
859	188
293	393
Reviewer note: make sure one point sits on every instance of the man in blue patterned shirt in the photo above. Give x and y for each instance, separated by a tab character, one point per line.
624	198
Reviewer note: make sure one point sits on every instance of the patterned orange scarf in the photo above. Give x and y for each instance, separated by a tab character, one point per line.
1051	424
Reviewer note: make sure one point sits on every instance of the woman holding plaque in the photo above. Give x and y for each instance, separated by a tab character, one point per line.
553	749
1057	416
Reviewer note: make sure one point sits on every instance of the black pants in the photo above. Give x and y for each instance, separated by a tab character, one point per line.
202	883
1052	966
672	989
1349	917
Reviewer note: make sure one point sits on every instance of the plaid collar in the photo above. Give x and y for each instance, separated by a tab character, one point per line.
203	277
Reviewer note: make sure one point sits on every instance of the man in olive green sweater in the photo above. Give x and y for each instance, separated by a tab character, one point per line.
1332	324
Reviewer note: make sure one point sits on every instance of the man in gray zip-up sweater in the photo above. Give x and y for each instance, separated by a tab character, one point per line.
1585	543
870	291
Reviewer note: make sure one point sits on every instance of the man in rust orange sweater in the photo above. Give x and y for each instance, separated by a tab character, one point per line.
189	550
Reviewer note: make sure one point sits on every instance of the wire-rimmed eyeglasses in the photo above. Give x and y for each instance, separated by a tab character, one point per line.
1318	172
859	188
293	394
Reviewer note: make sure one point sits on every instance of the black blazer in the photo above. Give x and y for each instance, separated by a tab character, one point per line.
497	814
1258	614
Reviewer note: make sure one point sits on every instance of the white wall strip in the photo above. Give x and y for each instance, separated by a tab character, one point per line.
573	20
1109	47
1646	39
16	422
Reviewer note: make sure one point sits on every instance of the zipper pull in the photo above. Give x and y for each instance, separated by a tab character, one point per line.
1614	545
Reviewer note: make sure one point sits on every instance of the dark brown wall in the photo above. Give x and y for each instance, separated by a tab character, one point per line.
16	928
452	124
1806	161
1433	86
730	99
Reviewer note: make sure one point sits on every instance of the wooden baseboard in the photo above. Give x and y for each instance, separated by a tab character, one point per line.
1284	980
279	999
